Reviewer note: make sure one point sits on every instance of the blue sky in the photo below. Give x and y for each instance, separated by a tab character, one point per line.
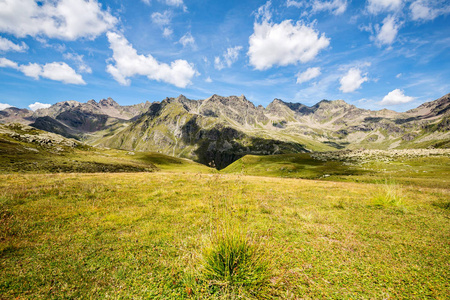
374	54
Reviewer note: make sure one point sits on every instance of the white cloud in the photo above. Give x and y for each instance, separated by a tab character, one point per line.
38	105
187	39
263	13
387	33
283	44
398	75
57	71
174	2
378	6
128	63
78	59
427	10
352	81
60	71
293	3
6	63
218	64
167	32
64	19
162	19
4	106
209	80
7	45
337	7
31	70
230	56
309	74
396	97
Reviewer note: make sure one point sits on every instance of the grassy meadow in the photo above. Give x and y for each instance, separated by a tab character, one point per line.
190	235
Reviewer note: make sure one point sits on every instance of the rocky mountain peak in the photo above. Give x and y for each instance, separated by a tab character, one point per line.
108	102
433	108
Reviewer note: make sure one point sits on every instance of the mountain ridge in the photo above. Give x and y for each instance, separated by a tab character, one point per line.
218	130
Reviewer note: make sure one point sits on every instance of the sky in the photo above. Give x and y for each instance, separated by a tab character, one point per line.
374	54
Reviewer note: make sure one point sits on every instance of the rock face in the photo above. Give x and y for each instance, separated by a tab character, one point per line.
218	130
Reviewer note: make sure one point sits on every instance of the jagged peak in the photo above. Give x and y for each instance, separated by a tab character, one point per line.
335	103
109	101
276	101
181	97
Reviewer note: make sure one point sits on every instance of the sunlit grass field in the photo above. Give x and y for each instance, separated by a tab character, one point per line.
157	235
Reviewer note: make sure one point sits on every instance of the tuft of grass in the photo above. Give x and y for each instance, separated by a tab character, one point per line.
234	266
388	194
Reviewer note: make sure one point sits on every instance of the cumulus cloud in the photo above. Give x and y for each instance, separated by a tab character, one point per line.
426	10
378	6
4	106
309	74
6	63
229	57
38	105
208	80
386	34
64	19
128	63
78	59
396	97
352	81
58	71
7	45
187	39
283	44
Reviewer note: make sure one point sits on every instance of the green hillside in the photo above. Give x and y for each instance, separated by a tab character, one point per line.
417	167
26	149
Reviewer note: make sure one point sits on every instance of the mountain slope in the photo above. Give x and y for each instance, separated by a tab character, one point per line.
219	130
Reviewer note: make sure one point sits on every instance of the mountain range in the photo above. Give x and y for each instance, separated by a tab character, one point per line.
219	130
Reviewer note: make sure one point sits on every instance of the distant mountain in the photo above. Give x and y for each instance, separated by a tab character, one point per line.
219	130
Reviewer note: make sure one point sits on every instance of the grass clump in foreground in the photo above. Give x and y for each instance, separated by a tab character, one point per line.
233	266
388	194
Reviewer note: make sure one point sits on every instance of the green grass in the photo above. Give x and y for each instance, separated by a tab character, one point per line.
290	166
143	235
388	194
433	171
232	266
